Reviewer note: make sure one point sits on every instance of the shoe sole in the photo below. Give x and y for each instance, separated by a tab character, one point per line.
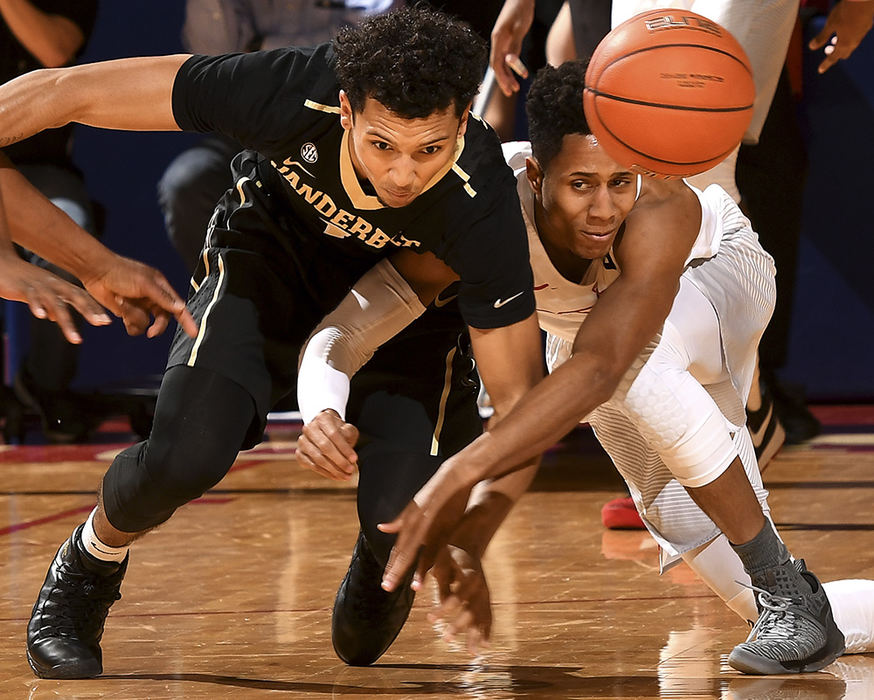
59	672
745	662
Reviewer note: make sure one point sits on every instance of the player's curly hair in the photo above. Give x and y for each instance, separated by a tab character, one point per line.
414	61
555	108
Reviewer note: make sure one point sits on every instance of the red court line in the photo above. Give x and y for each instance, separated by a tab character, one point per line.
204	500
47	519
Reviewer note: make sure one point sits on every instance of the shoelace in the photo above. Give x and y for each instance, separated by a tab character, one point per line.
83	613
776	621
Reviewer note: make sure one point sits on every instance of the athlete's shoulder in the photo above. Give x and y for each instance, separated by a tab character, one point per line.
480	166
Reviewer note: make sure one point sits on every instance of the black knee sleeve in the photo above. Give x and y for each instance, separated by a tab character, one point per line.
201	420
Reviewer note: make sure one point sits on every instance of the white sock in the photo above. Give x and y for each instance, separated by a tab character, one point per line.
96	547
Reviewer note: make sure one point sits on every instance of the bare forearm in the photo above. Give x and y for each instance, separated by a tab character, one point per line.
131	94
548	412
488	507
40	226
53	40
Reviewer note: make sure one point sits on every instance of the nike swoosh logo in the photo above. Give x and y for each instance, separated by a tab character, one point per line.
500	302
758	435
438	302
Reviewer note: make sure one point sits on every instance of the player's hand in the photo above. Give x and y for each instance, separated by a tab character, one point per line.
139	295
48	296
849	22
327	446
464	603
510	29
426	525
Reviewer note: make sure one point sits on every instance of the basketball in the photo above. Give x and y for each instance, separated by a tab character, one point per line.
669	93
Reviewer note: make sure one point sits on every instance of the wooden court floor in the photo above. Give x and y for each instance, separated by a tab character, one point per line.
232	597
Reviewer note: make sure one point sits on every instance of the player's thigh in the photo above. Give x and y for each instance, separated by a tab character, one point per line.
691	338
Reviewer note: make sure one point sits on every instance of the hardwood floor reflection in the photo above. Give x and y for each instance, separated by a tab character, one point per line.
233	596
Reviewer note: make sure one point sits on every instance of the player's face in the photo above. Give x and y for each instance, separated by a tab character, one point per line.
398	156
585	196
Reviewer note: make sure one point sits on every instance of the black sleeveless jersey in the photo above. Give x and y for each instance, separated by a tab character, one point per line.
284	104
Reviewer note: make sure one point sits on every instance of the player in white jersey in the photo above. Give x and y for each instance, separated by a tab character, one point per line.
694	330
672	415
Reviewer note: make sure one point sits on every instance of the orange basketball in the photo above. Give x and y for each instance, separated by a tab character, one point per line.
669	93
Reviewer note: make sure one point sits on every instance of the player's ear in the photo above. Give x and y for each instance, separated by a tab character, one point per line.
346	118
534	174
462	125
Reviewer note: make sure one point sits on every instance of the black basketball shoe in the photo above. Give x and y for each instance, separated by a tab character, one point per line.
63	635
366	618
795	632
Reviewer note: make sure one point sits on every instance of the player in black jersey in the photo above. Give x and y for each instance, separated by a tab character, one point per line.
358	149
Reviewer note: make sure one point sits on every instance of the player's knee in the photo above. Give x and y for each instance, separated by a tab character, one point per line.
147	483
184	468
682	423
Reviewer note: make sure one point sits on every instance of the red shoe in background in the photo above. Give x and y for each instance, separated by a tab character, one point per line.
620	514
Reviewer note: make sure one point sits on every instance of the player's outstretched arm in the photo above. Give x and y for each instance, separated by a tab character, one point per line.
131	93
135	292
627	316
46	295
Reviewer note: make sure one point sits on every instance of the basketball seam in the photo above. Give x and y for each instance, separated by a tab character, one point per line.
643	103
690	163
674	46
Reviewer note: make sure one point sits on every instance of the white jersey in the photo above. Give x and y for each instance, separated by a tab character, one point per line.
728	268
562	305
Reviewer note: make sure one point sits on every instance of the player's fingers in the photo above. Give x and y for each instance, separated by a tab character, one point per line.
459	624
325	451
477	643
349	433
136	320
316	460
83	302
339	450
155	287
37	308
58	312
306	462
450	606
516	64
159	325
820	39
406	548
506	82
828	62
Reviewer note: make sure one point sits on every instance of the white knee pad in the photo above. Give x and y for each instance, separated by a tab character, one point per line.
681	422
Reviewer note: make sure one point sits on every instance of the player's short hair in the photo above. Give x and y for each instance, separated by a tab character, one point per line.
414	61
555	108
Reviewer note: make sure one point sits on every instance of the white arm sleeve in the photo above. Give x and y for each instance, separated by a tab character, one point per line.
378	306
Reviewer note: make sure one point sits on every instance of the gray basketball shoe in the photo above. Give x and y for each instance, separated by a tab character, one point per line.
795	632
